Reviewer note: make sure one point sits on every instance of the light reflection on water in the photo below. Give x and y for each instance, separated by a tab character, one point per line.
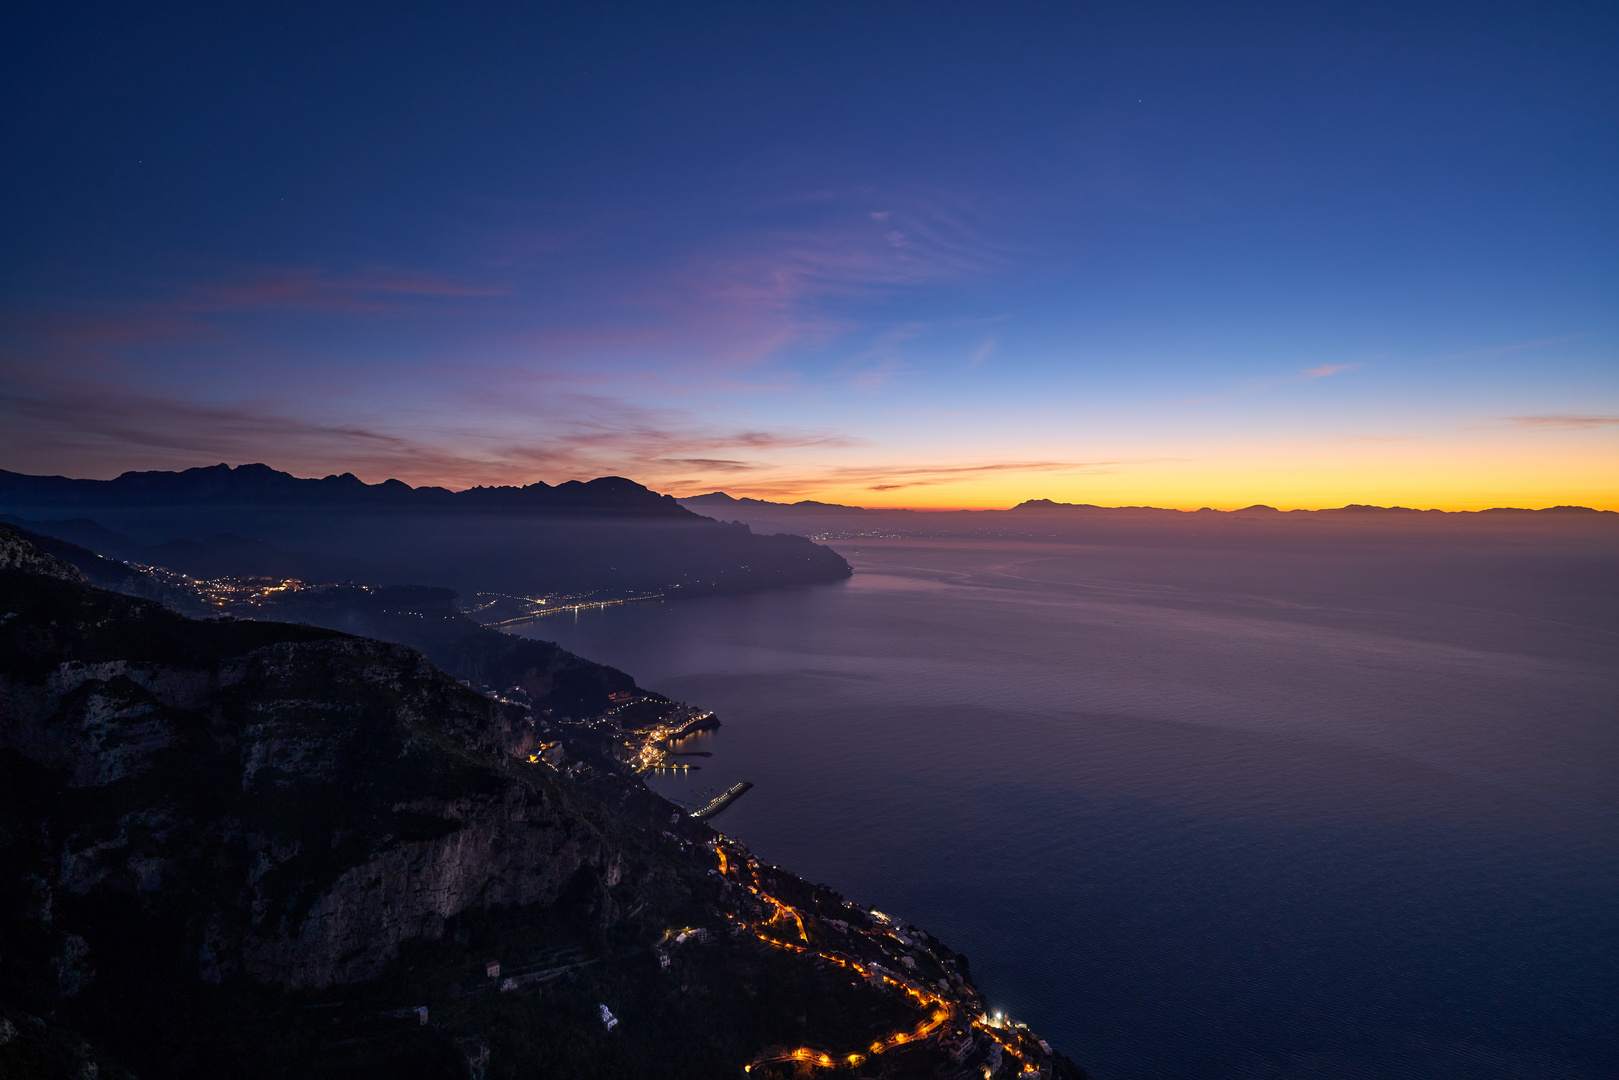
1232	814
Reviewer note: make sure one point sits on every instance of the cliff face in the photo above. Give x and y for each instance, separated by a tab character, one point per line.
278	802
514	850
17	553
257	849
343	793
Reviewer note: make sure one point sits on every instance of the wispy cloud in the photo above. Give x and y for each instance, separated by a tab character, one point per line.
1517	346
1560	422
1327	369
882	478
797	439
710	464
1254	386
199	313
713	306
508	372
811	287
100	430
929	475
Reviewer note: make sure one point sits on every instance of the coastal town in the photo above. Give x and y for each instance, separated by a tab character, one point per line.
226	593
240	593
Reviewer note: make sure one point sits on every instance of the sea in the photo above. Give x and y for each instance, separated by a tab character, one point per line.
1194	812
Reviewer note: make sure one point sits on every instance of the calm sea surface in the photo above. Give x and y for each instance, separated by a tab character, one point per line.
1217	813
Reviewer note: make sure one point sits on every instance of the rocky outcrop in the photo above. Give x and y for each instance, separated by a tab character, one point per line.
17	553
512	853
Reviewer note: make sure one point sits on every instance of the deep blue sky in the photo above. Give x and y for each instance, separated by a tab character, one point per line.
893	254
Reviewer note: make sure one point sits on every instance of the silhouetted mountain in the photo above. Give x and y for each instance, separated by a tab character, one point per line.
609	536
1047	506
1047	519
260	485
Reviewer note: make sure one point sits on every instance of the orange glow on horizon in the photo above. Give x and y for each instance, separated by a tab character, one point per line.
1457	470
1462	475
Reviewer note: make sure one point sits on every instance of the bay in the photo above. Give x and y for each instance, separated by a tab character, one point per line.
1217	813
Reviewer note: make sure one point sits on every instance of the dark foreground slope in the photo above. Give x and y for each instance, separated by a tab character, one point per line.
111	574
609	535
431	621
253	849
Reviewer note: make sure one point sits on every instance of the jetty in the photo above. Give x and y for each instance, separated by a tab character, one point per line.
706	722
721	801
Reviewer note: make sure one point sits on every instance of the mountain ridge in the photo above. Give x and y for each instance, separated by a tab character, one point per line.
722	499
259	484
607	537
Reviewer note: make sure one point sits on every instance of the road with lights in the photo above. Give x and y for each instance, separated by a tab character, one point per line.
983	1044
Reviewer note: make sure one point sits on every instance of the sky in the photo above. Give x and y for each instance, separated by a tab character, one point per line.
926	255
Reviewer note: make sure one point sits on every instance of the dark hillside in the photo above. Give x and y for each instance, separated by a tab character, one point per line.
431	621
111	574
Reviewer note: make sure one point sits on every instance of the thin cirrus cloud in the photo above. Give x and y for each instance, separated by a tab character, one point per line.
1560	422
1328	369
373	293
710	464
1254	386
580	436
484	422
816	288
798	483
895	478
191	312
719	302
696	315
492	382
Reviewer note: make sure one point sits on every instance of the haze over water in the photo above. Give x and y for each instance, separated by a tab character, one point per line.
1246	811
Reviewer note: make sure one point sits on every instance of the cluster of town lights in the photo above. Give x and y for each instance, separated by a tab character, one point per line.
941	1009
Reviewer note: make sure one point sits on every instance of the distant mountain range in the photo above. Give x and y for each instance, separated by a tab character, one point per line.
720	502
1044	518
608	536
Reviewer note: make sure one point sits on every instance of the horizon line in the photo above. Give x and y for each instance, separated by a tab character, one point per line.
1353	506
1183	509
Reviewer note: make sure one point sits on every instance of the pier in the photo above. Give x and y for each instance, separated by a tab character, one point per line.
724	799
